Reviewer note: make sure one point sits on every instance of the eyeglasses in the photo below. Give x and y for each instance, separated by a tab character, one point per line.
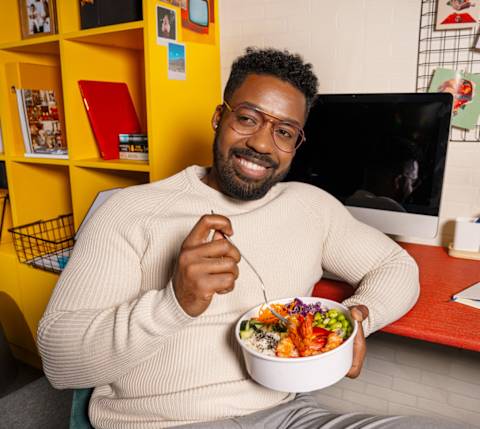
248	120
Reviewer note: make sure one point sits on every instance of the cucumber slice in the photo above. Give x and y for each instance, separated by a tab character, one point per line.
247	333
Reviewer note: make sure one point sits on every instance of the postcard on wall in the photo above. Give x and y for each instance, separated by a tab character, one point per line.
177	62
455	14
166	25
466	98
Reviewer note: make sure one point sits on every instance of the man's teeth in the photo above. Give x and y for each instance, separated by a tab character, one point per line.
251	165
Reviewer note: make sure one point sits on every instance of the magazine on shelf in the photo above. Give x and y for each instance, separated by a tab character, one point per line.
22	116
41	127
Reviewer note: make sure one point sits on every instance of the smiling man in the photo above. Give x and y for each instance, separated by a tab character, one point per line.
145	309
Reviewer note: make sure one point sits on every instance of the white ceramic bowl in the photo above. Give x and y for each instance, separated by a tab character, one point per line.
303	374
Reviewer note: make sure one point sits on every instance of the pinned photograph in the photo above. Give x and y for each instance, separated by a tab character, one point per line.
176	61
37	17
166	25
455	14
466	101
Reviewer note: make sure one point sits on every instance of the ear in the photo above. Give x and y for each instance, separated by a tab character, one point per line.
216	118
398	182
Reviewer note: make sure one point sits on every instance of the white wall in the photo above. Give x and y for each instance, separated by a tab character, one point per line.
355	46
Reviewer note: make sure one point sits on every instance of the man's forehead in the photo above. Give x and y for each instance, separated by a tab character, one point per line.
272	96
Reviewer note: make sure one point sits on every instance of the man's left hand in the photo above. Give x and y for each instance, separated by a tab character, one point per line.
359	313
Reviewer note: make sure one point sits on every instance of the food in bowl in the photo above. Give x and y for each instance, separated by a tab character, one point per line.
302	373
312	329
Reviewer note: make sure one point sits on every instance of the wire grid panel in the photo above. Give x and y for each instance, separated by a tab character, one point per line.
45	244
450	49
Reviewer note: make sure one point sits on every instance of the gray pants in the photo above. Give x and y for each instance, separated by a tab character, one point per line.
304	412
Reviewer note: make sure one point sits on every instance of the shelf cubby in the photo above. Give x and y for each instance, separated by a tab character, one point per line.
38	192
88	61
88	182
68	16
21	72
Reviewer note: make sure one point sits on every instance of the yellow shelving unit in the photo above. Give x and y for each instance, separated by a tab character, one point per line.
175	114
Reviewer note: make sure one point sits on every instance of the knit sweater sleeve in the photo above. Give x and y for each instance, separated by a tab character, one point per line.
98	325
384	275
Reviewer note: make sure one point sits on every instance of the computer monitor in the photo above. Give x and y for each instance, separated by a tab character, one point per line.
382	155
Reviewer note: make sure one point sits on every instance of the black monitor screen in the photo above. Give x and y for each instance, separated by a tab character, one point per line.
383	151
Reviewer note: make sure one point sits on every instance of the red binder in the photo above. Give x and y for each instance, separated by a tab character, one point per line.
111	112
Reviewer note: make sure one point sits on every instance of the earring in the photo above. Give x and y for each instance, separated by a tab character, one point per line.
215	126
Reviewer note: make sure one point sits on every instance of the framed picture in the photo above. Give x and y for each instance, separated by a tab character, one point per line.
455	14
37	17
166	25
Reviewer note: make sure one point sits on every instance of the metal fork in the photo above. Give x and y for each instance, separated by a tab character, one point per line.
275	313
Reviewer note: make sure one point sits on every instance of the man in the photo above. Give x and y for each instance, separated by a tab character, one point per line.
390	176
145	308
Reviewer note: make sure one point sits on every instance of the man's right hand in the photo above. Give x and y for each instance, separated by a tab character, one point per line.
205	267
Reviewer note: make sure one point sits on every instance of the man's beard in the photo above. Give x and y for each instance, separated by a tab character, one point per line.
234	184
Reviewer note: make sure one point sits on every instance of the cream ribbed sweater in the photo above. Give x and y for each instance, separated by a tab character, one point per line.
113	321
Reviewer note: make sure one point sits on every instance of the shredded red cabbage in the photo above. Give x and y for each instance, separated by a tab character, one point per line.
302	308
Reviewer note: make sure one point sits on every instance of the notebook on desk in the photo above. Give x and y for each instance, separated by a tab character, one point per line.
469	296
111	112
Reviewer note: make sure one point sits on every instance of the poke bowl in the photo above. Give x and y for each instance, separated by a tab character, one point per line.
314	351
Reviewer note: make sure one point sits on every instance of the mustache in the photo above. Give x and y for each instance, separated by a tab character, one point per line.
264	160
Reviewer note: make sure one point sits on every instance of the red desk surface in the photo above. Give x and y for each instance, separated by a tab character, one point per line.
434	318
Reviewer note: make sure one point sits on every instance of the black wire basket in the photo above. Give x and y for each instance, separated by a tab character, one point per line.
45	244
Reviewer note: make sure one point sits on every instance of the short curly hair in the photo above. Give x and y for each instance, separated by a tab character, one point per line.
283	65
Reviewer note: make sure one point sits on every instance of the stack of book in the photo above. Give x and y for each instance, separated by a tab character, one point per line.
40	122
133	146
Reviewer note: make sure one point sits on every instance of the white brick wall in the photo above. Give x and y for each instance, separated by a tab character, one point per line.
355	46
405	376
